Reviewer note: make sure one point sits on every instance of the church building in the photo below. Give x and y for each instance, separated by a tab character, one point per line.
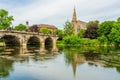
77	23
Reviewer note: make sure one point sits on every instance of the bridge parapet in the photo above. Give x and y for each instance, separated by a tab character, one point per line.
27	33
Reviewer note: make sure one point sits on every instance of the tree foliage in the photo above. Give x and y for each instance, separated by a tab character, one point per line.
68	28
72	40
111	31
34	28
91	31
102	39
114	35
45	31
81	33
60	33
21	27
105	28
5	19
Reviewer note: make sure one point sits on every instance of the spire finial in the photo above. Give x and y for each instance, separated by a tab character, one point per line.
74	18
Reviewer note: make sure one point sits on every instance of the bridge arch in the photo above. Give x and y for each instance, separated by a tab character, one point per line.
48	42
10	40
33	41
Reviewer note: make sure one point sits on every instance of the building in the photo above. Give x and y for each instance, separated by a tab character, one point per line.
37	27
77	23
52	28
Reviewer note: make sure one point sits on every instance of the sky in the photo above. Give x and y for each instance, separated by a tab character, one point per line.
57	12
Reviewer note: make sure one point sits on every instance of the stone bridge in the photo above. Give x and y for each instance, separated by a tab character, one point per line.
23	38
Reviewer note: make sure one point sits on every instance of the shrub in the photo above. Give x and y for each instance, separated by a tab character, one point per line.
72	40
45	31
103	39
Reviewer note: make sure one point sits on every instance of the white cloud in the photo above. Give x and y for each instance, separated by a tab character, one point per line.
56	12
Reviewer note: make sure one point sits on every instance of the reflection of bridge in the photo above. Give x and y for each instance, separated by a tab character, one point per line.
23	38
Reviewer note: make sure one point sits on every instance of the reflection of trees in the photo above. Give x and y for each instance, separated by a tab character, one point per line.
11	55
6	66
91	55
1	49
108	57
111	56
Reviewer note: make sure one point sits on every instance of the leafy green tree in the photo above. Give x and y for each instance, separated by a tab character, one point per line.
91	31
110	30
114	35
60	33
20	27
68	28
5	19
81	33
105	28
102	39
118	20
45	31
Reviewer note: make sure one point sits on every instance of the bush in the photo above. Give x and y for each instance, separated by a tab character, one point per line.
72	40
103	39
81	33
20	27
90	42
45	31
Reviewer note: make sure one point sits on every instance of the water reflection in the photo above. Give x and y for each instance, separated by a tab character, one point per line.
105	57
6	66
10	55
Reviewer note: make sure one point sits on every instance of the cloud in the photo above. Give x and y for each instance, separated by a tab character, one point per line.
56	12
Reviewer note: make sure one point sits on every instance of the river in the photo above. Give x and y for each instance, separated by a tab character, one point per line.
68	63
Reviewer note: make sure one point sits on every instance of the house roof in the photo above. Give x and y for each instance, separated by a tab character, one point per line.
47	26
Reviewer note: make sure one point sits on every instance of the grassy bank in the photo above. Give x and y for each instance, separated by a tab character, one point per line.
85	42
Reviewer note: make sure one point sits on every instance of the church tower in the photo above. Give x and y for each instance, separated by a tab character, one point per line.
77	24
74	18
74	21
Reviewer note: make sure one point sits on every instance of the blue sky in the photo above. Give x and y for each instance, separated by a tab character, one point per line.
56	12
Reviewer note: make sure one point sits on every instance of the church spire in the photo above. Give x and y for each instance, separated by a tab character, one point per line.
74	18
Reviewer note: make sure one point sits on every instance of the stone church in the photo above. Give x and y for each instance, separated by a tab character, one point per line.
77	23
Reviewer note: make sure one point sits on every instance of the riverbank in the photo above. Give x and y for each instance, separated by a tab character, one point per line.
85	42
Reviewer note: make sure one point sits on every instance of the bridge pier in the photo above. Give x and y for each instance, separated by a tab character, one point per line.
23	50
24	45
23	42
54	49
42	44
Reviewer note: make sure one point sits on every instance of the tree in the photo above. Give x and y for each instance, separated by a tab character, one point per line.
81	33
102	39
5	19
34	28
91	31
110	30
60	33
68	28
105	28
21	27
114	35
45	31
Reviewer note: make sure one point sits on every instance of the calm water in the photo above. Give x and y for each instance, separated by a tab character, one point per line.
83	63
